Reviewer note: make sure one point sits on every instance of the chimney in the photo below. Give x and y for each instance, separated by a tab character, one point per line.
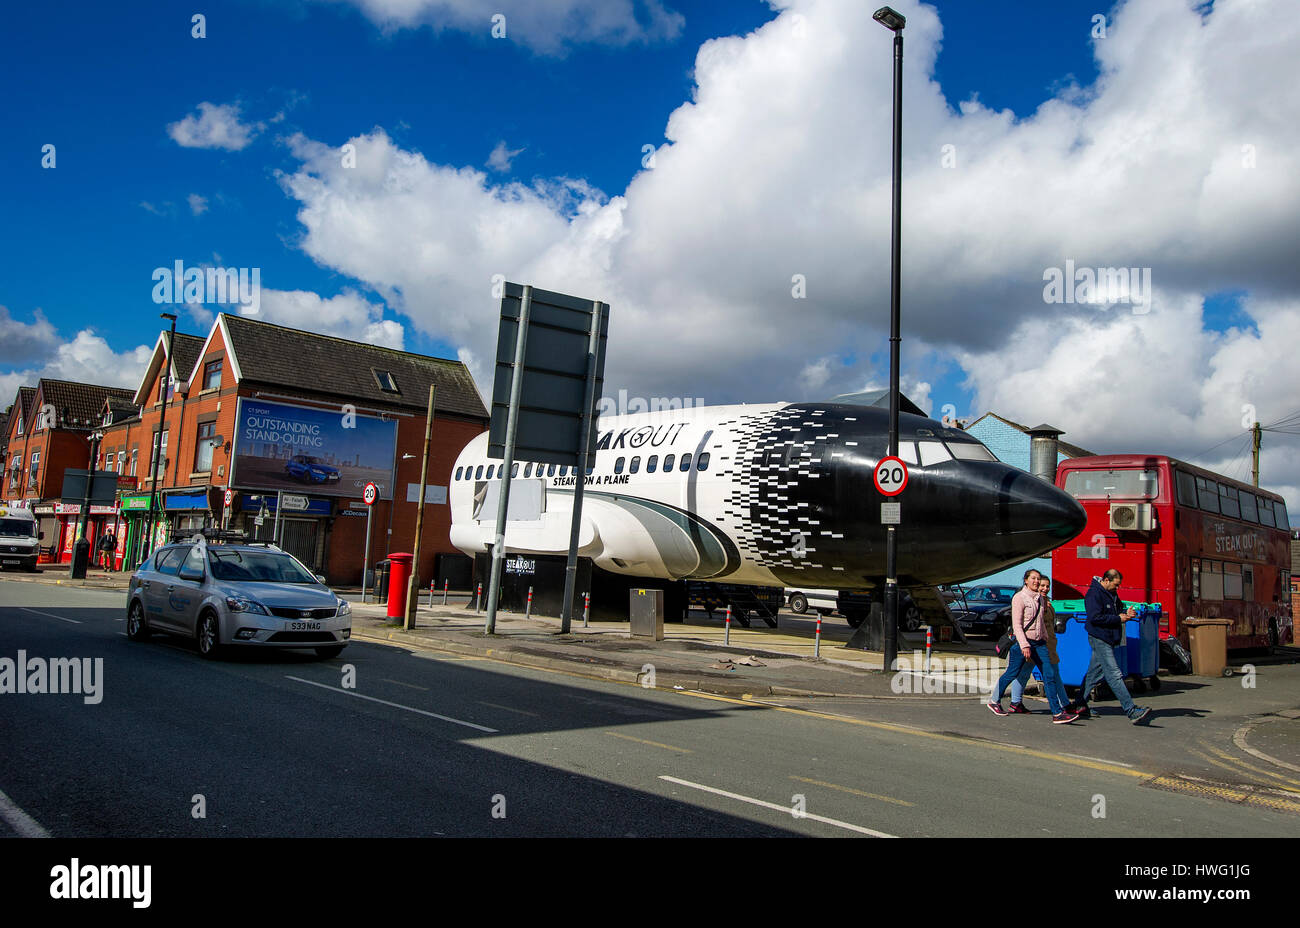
1043	445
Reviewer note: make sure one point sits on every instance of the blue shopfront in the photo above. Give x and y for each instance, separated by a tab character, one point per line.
301	528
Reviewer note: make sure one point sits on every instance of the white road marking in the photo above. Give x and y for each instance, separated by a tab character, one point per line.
1239	739
20	821
395	705
784	810
51	615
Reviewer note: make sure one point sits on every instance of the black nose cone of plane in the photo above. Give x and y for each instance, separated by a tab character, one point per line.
1034	516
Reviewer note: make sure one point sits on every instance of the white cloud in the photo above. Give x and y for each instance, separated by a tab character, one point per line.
546	27
87	358
22	342
1175	159
198	204
502	157
215	126
347	315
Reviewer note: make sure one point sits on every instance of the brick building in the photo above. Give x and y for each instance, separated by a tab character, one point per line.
49	430
280	416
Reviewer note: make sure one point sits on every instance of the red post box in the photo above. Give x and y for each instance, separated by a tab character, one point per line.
399	577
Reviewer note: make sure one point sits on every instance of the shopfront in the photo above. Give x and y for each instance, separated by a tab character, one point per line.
134	510
186	513
102	519
303	523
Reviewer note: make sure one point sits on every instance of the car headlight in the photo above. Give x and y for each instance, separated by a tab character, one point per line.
243	604
345	607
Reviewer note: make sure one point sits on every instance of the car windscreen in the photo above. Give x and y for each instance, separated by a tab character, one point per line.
257	567
17	528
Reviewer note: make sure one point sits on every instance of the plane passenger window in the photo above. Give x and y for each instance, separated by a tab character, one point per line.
907	451
618	465
514	470
491	468
668	462
702	462
933	452
686	462
591	470
651	463
550	470
458	470
634	465
528	469
478	473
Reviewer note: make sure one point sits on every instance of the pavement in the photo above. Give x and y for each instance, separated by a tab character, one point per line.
1244	729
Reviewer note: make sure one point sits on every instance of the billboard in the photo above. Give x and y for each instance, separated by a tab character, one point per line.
279	446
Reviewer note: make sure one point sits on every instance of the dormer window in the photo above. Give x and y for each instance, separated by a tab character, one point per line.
387	382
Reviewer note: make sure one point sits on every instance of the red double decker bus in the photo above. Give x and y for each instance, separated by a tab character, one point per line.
1200	544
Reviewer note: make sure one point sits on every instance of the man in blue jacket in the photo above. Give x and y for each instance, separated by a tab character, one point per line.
1106	630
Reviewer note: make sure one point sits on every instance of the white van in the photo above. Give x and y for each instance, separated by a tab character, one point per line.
823	601
20	540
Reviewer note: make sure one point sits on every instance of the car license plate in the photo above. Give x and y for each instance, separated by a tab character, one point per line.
9	560
304	626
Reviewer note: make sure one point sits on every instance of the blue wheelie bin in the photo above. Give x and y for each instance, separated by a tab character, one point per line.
1072	646
1142	646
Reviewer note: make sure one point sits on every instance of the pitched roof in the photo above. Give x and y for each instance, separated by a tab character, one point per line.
185	353
80	402
22	406
1064	447
305	361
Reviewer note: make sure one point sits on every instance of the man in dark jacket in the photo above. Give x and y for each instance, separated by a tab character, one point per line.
1105	626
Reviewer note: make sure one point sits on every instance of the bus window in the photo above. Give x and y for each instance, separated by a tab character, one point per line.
686	462
1125	484
702	462
651	463
1207	492
1248	582
618	465
1248	511
1282	521
1211	580
1266	512
668	462
1186	488
1231	581
1228	504
634	465
1196	578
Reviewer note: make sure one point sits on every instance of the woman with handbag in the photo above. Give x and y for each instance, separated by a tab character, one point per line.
1018	684
1028	623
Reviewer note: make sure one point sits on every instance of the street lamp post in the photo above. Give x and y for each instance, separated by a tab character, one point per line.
894	21
165	398
81	549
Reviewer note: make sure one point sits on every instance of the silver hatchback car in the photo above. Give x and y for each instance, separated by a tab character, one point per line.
235	595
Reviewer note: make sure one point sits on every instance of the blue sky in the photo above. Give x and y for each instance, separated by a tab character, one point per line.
1156	145
102	84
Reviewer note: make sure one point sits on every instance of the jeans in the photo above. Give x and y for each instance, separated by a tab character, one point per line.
1027	671
1016	662
1103	666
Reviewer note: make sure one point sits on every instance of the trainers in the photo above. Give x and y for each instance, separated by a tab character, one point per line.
1018	708
996	709
1139	714
1079	711
1064	718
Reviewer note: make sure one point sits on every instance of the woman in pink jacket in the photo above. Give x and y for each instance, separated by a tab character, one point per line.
1029	623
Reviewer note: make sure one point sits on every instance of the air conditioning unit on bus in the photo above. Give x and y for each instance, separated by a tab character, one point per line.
1132	517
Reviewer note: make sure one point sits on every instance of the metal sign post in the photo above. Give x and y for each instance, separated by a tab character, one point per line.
369	495
507	462
589	397
413	584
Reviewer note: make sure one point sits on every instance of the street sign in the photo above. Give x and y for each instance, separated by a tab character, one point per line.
230	497
890	476
295	502
891	513
370	494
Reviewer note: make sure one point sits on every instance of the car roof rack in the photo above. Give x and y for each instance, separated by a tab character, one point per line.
262	543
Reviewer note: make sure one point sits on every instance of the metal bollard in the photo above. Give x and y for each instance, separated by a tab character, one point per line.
430	594
445	585
817	638
478	597
586	609
528	610
929	644
726	635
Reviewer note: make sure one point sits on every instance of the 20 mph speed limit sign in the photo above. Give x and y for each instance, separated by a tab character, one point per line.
890	476
370	494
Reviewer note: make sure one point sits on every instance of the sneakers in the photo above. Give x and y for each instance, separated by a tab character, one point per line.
1065	718
996	709
1140	714
1018	708
1079	711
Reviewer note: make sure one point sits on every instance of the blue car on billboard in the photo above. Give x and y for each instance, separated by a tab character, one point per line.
308	469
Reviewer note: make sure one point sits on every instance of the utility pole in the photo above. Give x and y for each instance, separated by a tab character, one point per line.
1254	469
413	583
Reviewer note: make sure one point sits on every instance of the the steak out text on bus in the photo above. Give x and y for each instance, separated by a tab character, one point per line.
1200	544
